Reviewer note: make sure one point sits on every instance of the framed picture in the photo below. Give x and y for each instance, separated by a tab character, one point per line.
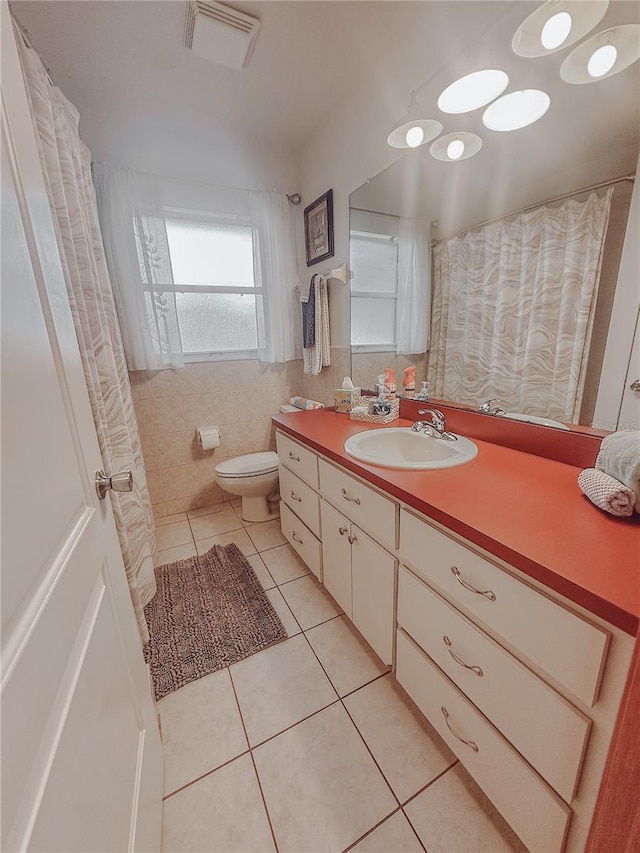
318	229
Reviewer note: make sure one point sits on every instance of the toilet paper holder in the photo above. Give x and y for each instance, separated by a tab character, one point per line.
209	437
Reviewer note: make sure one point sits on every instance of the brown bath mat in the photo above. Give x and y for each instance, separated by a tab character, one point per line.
209	612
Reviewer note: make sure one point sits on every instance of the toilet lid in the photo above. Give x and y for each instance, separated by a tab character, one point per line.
249	465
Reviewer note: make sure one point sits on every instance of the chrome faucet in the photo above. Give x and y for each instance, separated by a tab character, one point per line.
489	410
436	427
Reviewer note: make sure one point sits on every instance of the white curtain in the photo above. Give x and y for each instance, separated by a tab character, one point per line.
414	286
274	266
67	171
513	307
137	250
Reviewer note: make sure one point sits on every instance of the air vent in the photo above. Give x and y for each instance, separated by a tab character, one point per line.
221	34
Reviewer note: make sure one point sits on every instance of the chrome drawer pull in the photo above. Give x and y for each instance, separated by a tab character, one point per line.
486	592
470	743
342	530
352	539
476	669
348	497
295	497
292	456
295	538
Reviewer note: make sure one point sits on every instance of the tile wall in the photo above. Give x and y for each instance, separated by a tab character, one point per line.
238	396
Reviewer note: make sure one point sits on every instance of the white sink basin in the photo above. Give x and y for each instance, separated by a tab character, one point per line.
534	419
401	447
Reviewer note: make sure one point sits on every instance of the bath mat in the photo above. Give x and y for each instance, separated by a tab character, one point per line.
209	612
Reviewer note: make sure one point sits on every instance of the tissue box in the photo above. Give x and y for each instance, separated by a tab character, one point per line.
346	400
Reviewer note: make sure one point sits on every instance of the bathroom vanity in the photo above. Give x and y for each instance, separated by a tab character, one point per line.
505	603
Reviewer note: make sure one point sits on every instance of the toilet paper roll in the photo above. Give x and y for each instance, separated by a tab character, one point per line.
209	437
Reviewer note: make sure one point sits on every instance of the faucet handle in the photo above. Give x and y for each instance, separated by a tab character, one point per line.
436	414
486	407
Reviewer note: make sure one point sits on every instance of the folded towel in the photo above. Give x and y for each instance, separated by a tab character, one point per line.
606	492
305	404
619	456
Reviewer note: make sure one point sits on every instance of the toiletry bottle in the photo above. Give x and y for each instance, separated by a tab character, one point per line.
380	405
409	383
390	382
423	393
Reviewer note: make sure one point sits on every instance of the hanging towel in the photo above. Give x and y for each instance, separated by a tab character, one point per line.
606	492
304	288
619	456
318	353
309	314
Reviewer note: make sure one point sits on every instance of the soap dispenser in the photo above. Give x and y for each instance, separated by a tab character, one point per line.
423	393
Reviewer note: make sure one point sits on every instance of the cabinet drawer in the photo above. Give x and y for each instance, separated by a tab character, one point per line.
300	498
298	459
517	702
563	644
527	803
302	540
361	504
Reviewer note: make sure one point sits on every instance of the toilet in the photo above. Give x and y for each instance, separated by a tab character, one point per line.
252	477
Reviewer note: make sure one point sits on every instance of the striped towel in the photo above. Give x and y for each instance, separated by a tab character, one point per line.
318	354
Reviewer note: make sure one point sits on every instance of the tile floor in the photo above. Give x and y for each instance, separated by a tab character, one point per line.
309	745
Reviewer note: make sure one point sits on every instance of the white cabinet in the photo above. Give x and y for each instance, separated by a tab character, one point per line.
360	575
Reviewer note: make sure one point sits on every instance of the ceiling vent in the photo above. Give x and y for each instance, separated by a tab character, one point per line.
221	34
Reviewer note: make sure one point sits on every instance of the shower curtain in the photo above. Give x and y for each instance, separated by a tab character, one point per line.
67	170
513	306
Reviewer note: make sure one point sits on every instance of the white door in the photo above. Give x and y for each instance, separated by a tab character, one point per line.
81	754
372	582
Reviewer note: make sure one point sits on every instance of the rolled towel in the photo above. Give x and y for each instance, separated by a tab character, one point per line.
606	492
619	456
305	404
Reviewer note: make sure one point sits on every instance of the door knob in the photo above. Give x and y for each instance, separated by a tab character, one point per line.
120	482
635	386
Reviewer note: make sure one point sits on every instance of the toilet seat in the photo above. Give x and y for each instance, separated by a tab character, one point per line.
249	465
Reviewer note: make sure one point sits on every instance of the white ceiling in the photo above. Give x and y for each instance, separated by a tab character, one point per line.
148	102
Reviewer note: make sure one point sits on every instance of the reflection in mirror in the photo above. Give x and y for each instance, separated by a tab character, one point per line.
496	276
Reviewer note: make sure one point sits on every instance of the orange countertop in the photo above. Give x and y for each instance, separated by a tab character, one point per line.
524	509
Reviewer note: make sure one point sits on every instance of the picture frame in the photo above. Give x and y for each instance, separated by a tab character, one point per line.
318	229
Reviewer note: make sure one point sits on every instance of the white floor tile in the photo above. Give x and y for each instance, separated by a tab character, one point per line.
171	519
214	524
454	816
279	687
262	573
322	788
282	609
222	813
284	564
207	510
346	658
238	537
172	535
170	555
395	835
309	601
201	729
408	750
266	535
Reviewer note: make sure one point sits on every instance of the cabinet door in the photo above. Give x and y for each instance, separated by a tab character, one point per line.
372	581
336	553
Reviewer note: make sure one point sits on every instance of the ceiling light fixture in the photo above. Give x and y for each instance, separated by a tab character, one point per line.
516	110
603	55
473	91
557	24
413	130
454	147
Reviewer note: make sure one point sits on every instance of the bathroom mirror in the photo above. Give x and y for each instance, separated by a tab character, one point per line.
588	139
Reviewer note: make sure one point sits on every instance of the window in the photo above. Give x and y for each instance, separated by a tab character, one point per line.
212	268
374	291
